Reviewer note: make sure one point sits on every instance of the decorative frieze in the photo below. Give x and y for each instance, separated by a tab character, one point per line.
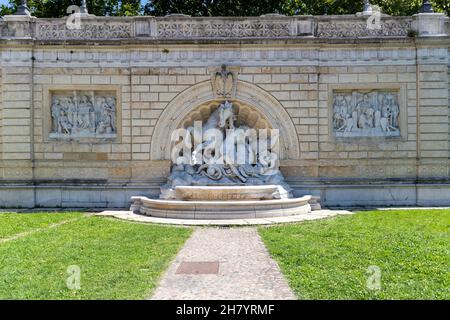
58	30
230	28
358	113
83	114
354	28
194	57
185	27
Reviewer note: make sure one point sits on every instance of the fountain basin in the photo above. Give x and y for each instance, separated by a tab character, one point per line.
249	209
230	193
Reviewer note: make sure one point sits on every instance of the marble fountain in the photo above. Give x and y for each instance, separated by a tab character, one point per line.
232	172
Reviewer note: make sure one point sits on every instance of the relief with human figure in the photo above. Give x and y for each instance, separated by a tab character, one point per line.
83	114
366	114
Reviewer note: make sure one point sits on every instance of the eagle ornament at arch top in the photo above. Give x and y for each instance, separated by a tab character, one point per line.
224	82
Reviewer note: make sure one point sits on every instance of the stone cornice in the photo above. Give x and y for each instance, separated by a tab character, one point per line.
151	56
298	41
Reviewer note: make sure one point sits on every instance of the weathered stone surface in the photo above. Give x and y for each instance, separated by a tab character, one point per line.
366	114
241	193
221	209
83	114
185	27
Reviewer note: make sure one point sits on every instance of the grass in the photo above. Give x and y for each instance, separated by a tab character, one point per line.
117	259
329	259
335	258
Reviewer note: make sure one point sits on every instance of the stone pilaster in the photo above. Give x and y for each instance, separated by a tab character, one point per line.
432	111
17	114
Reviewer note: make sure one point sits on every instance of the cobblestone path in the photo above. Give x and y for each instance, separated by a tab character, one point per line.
218	263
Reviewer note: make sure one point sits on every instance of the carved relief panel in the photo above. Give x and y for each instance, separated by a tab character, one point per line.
82	114
366	113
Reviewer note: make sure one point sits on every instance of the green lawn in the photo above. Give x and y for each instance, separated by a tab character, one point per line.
13	224
329	259
117	259
326	259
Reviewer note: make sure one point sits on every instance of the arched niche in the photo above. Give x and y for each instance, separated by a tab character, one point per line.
197	102
245	115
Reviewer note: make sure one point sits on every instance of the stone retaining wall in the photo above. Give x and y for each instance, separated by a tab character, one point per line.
289	69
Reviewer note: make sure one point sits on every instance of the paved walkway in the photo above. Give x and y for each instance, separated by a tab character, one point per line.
223	263
230	264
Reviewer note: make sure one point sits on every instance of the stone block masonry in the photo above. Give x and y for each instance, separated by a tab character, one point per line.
363	114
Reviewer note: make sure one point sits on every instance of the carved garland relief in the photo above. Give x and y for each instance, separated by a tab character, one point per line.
83	114
366	114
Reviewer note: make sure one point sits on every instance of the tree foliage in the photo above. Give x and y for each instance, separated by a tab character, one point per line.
213	7
57	8
288	7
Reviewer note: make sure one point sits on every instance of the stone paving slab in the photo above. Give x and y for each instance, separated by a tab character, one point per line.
246	270
314	215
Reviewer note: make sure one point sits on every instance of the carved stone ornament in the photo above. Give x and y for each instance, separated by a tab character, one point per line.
366	114
83	114
90	29
188	28
358	28
224	80
211	28
220	162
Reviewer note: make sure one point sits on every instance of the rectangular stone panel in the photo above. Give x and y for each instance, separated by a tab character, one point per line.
366	112
81	113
